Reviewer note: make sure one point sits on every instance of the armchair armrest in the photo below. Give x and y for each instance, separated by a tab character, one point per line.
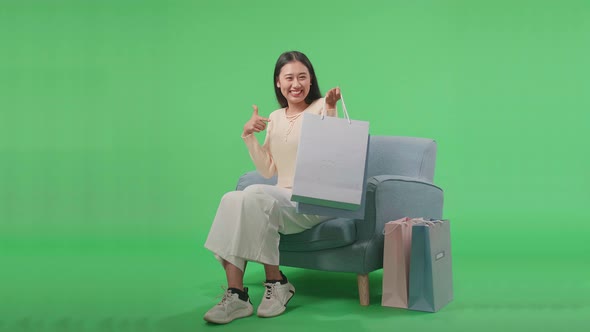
253	177
390	197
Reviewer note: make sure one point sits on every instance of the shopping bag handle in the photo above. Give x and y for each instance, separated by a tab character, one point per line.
407	221
343	107
433	223
395	226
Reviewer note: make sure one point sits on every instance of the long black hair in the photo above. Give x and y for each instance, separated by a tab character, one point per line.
285	58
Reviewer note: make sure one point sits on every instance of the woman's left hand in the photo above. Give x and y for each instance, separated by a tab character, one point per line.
332	97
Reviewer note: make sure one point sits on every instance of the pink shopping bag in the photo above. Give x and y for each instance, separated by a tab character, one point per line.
396	262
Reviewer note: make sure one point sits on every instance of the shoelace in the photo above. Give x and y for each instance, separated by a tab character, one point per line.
225	296
270	288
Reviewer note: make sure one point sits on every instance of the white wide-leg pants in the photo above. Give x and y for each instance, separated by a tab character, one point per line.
247	225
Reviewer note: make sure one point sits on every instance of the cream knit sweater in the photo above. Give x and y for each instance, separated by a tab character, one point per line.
279	152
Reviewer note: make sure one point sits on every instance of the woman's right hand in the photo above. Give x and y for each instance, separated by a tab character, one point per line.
256	123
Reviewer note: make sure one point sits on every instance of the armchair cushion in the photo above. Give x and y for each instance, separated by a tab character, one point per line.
333	233
253	177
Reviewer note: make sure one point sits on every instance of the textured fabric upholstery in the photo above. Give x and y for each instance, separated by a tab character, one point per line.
334	233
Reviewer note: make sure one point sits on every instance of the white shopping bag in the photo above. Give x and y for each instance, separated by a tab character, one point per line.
330	166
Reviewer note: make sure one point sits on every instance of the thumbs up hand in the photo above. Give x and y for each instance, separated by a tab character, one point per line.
256	123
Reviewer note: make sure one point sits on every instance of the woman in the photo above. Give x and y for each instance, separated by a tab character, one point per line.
247	224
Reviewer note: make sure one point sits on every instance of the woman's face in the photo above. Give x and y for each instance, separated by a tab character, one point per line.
294	82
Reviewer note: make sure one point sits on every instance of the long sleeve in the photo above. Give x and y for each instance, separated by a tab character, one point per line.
278	154
261	155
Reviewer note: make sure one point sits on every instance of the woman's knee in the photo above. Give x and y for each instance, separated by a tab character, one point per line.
232	196
256	188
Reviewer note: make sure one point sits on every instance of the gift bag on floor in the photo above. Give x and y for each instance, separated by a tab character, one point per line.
330	166
431	277
396	262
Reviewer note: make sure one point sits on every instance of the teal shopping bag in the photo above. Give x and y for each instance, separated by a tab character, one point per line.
431	277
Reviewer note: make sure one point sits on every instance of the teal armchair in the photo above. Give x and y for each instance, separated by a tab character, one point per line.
399	184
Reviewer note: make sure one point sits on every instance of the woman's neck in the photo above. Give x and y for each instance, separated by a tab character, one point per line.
296	108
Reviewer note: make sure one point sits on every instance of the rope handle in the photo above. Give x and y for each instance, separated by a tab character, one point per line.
403	222
324	110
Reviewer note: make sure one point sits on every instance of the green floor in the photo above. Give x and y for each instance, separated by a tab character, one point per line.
168	285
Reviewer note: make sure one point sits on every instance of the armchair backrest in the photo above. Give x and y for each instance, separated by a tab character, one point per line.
388	155
405	156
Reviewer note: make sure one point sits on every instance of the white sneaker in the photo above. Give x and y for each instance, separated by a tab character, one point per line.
275	299
231	307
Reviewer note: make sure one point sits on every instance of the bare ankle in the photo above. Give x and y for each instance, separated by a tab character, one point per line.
240	287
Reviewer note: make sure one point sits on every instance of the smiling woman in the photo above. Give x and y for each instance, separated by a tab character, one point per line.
248	223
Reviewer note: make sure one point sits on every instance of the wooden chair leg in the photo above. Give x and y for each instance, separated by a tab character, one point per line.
363	283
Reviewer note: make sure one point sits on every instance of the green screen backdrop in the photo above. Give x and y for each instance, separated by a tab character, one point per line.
120	127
